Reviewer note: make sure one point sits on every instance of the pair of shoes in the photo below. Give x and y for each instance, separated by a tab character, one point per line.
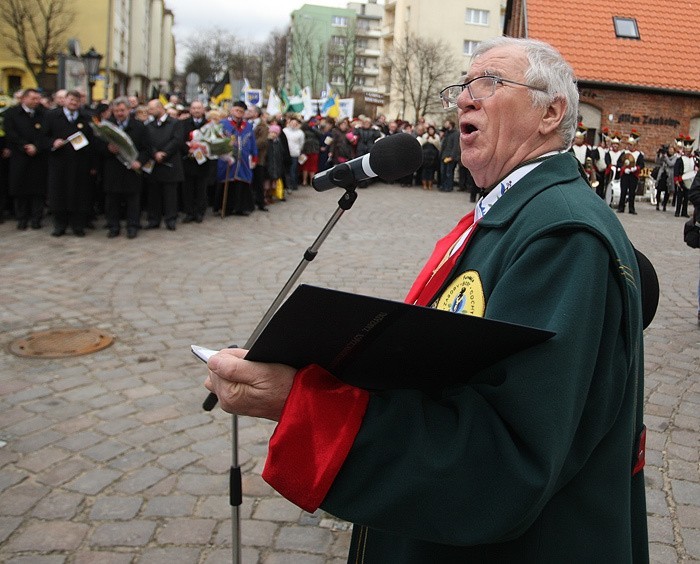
684	215
241	213
22	225
170	225
131	233
36	225
188	219
79	232
113	233
151	225
58	232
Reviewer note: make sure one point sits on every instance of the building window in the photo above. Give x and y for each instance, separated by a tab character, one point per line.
338	41
477	17
337	80
469	47
626	27
361	43
339	21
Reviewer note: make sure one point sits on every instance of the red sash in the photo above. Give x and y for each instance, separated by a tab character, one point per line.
440	264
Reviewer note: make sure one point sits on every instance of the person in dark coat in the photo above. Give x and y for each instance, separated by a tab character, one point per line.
70	164
449	156
122	184
165	141
29	149
197	170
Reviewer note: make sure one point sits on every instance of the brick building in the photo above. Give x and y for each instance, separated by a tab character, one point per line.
637	64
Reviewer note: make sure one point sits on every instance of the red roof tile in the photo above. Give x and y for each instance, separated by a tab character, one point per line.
666	56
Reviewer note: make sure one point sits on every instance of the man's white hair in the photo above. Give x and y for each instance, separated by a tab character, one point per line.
548	70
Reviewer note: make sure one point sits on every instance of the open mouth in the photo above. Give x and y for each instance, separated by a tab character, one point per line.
468	128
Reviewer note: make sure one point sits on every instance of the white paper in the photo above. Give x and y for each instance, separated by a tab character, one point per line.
78	140
202	353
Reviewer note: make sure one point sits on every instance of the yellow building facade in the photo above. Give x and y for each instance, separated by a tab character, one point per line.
134	37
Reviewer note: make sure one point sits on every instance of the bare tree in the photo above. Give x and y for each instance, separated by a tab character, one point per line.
274	54
219	51
36	31
308	60
420	66
341	52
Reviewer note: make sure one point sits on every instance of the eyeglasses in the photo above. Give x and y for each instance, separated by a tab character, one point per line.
479	88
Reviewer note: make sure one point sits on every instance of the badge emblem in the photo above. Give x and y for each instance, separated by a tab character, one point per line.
80	126
464	295
37	126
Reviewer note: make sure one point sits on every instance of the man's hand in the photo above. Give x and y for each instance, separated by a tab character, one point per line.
160	156
112	148
249	388
30	149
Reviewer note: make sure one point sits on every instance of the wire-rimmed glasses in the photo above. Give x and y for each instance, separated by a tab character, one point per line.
479	88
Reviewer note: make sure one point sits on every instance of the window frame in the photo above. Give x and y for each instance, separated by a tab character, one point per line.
620	21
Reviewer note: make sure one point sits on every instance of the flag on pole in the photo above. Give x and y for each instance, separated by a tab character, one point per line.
245	88
331	107
274	103
285	100
309	109
226	94
162	99
296	103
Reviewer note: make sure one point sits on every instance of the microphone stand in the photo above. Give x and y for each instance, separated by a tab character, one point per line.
345	179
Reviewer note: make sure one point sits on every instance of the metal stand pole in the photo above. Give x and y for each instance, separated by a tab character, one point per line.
235	484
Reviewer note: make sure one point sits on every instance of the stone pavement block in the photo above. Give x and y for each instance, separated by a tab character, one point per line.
660	529
80	441
689	516
35	442
177	555
102	557
691	542
307	539
131	533
106	450
93	481
276	509
187	531
35	559
258	533
8	526
293	558
19	499
9	479
141	479
170	506
203	485
42	459
48	536
58	505
177	460
115	508
662	553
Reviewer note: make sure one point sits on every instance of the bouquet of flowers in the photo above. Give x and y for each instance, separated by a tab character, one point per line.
110	133
212	140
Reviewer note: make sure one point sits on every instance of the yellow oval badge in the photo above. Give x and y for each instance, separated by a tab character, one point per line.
464	295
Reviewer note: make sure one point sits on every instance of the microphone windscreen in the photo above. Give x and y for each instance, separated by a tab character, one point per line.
395	156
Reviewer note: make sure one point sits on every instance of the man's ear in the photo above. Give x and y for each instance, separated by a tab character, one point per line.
552	116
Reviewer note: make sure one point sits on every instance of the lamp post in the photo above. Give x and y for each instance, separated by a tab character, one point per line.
91	60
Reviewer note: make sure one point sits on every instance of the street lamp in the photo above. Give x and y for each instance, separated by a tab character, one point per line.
91	60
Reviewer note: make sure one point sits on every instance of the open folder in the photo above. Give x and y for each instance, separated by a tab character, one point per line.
380	344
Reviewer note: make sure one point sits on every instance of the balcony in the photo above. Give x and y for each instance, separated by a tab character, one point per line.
388	30
368	32
367	71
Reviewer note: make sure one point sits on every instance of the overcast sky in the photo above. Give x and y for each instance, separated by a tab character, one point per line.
248	20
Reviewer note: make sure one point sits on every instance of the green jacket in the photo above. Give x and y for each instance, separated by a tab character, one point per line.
531	461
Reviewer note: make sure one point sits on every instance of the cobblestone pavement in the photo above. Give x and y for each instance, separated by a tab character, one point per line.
109	458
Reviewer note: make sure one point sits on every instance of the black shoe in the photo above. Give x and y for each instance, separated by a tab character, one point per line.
263	208
151	225
620	211
36	225
170	225
242	213
188	219
22	225
199	218
79	232
633	212
676	214
113	233
131	233
58	232
684	215
90	225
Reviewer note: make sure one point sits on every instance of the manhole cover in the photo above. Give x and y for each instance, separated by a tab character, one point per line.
58	343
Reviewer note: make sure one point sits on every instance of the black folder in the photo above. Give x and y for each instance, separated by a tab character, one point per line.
380	344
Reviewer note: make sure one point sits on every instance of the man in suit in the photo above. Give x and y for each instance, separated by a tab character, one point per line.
70	164
165	143
196	168
122	184
28	158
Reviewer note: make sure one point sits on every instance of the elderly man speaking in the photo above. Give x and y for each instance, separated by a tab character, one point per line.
537	458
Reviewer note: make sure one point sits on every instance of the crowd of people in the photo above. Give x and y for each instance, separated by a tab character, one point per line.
53	163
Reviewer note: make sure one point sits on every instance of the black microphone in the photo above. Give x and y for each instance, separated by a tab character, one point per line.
389	158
